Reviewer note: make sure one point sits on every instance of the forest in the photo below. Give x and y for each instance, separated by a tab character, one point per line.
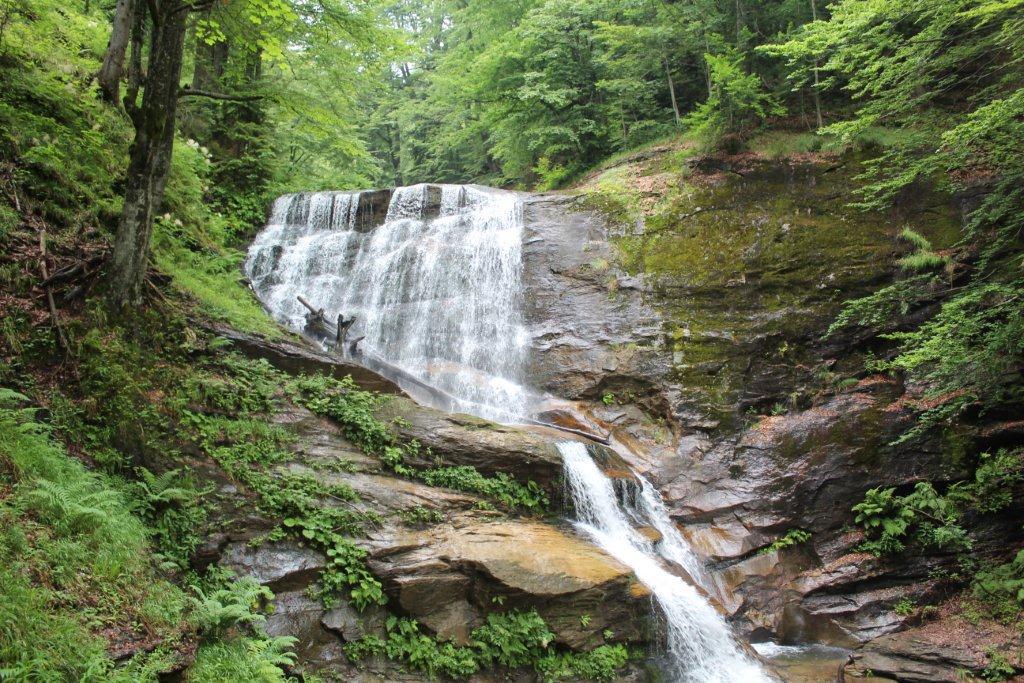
148	400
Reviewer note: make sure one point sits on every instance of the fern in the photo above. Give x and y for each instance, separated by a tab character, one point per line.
232	605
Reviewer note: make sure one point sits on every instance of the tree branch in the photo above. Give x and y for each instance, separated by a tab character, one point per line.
189	92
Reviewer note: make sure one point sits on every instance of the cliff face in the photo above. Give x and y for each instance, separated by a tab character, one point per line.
689	313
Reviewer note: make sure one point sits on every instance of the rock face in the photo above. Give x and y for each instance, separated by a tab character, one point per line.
937	651
586	319
448	572
467	440
696	331
446	576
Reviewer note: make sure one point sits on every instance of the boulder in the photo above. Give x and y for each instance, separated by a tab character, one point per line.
280	566
942	650
448	575
465	440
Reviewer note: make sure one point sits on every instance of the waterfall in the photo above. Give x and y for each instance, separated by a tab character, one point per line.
700	645
435	289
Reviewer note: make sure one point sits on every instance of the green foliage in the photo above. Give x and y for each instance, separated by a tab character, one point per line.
884	306
68	148
969	352
791	538
933	519
905	606
998	667
923	258
513	639
346	562
417	515
244	659
923	515
897	72
737	100
224	607
356	412
170	506
502	487
206	271
1001	588
66	536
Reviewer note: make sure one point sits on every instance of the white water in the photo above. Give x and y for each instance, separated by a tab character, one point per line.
437	296
700	645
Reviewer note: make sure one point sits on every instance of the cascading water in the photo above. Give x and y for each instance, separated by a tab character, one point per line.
700	645
435	290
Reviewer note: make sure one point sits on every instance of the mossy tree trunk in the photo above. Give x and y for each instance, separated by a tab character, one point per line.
112	68
150	156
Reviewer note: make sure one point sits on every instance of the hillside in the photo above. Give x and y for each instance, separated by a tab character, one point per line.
699	374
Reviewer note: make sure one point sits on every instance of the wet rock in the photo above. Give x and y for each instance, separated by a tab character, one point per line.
801	470
447	575
373	209
942	650
297	355
281	566
351	625
587	328
298	615
805	470
466	440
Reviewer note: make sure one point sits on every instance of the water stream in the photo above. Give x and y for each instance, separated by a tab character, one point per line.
437	291
700	645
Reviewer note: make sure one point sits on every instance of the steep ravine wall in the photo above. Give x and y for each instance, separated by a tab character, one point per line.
697	330
694	329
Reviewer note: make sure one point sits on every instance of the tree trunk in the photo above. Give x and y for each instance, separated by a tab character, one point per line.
671	89
739	22
131	97
150	156
817	93
109	76
707	67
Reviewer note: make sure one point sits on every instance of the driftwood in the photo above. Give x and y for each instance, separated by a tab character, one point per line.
342	330
318	315
49	292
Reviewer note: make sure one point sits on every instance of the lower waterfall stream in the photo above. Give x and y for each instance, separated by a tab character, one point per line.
436	291
700	646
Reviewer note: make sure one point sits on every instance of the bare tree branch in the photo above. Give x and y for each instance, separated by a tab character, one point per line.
189	92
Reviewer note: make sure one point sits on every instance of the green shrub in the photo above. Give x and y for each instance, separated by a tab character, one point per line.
67	536
791	538
501	486
737	99
512	639
924	515
243	659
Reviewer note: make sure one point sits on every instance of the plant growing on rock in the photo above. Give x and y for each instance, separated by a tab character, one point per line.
792	538
355	410
923	515
933	519
512	639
